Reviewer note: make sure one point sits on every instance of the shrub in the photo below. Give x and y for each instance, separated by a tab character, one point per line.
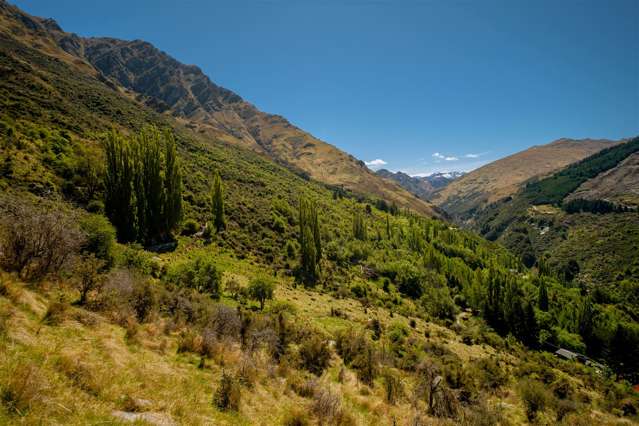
297	417
100	237
36	240
314	354
189	227
327	405
95	206
143	300
201	274
88	277
227	396
534	397
233	287
56	311
491	375
392	386
438	303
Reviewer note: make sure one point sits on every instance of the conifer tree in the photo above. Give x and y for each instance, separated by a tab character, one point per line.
543	296
217	199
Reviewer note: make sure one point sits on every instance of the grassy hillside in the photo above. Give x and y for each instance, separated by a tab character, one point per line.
504	177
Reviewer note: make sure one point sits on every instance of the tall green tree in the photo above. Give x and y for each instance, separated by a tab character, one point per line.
172	184
217	200
310	242
119	190
143	190
359	226
542	299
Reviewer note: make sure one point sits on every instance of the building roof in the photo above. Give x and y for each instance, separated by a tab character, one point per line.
566	353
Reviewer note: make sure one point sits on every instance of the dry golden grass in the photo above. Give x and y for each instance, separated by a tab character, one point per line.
76	371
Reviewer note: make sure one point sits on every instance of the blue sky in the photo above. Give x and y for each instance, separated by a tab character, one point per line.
422	86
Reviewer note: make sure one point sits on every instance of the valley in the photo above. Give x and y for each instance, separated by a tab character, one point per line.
170	254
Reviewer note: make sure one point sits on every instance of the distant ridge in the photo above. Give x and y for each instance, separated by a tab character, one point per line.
422	186
504	177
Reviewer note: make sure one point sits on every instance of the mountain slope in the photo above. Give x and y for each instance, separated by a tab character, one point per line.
619	184
504	177
156	79
422	186
537	223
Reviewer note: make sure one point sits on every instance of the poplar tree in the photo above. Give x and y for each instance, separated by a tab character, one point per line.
310	242
143	186
359	227
172	184
217	199
119	195
151	195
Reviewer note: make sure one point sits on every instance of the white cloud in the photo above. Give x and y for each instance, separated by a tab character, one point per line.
472	155
375	163
440	156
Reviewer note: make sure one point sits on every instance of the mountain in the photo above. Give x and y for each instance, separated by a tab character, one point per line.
581	220
422	186
505	176
159	81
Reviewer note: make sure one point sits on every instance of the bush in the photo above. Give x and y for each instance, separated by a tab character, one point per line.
88	277
95	206
314	354
438	303
534	397
200	274
189	227
36	240
296	418
392	386
327	406
100	237
227	396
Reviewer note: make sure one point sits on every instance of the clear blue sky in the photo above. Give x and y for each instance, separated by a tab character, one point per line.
421	85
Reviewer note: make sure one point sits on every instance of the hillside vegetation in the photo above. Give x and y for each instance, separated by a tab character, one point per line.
593	242
150	272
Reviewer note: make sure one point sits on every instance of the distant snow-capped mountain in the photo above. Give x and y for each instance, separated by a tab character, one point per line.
422	186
